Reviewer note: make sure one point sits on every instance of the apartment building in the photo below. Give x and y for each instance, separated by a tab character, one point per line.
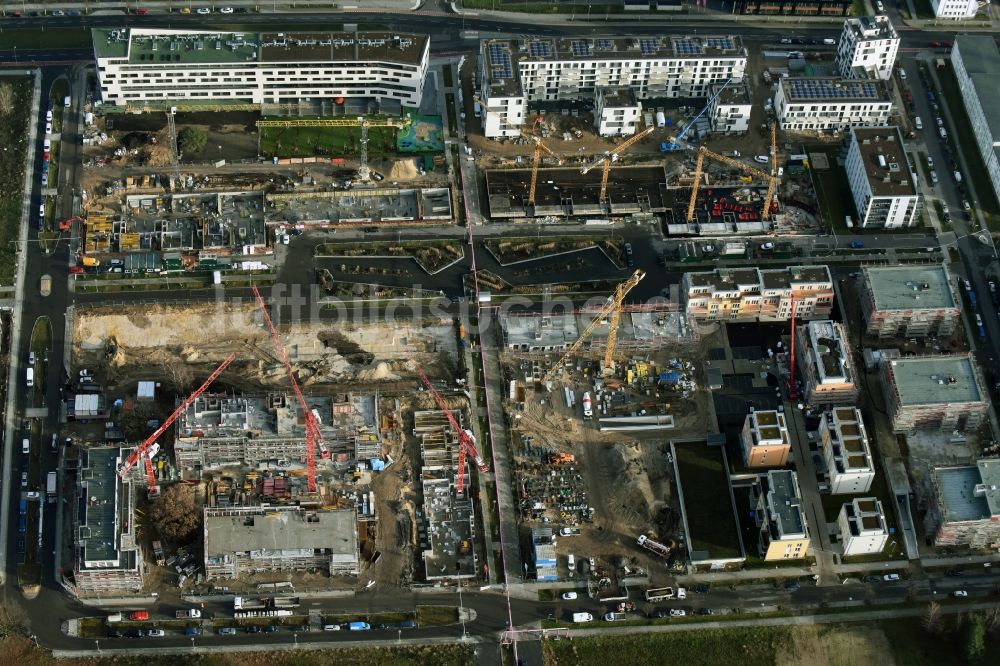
513	73
616	112
908	301
784	533
966	510
269	431
957	10
244	540
847	451
108	559
729	111
765	439
976	60
828	104
863	528
884	189
140	66
867	48
933	392
826	364
753	294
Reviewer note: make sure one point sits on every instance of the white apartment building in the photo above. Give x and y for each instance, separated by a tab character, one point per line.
976	60
884	189
515	72
752	294
617	112
846	450
867	48
828	104
825	364
957	9
143	65
863	529
729	113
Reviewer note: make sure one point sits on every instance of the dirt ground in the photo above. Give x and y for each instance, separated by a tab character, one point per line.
171	341
850	645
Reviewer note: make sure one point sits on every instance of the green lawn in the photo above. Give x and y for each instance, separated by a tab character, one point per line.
329	141
41	340
923	8
705	484
35	38
436	615
446	72
967	142
15	107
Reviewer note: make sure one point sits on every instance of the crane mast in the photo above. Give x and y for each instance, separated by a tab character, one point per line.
143	448
313	436
610	157
466	445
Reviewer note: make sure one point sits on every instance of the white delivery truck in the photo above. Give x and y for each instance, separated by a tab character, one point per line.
583	617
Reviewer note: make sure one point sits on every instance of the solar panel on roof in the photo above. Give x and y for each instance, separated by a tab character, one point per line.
580	47
649	46
826	89
606	44
539	49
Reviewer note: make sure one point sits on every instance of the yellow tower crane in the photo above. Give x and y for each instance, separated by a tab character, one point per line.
704	152
612	310
535	160
772	183
364	173
612	156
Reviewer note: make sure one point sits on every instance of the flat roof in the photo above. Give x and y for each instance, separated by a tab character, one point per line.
785	503
146	46
731	94
502	57
931	380
828	344
833	89
282	530
969	492
910	287
618	96
784	278
99	505
871	27
883	156
981	59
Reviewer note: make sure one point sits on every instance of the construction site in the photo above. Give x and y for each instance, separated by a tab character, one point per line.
594	397
316	428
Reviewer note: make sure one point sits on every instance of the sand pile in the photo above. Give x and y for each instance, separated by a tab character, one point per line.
403	170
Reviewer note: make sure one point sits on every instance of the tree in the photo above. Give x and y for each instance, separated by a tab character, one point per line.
974	638
932	618
176	513
192	140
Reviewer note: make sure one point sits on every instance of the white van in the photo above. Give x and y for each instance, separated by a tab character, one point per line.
66	101
25	446
30	377
830	42
583	617
571	563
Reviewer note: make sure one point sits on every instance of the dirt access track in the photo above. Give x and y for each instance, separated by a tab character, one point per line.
170	341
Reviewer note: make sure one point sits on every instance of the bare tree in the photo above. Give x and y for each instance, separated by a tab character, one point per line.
932	618
180	375
176	513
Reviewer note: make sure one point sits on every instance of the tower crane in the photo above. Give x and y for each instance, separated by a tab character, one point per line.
772	182
675	143
466	442
314	437
611	309
704	152
539	147
612	156
143	450
793	392
364	173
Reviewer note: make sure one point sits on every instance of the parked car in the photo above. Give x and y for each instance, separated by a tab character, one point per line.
659	614
408	624
253	629
677	612
569	596
203	10
918	123
857	245
226	10
133	633
930	162
270	629
959	594
890	578
301	628
227	631
966	206
155	633
761	159
702	589
934	177
792	585
706	611
767	246
331	627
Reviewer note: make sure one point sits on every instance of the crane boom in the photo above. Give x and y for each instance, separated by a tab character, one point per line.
772	182
612	308
675	142
466	445
313	435
704	152
539	147
611	156
140	450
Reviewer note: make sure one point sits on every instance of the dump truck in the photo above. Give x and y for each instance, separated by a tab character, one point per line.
659	594
188	614
90	262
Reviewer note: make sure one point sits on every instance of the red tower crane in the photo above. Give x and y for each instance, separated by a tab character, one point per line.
141	450
466	442
314	437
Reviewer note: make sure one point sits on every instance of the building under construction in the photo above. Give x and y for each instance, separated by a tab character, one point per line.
360	205
448	528
255	539
566	192
535	333
269	432
719	210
